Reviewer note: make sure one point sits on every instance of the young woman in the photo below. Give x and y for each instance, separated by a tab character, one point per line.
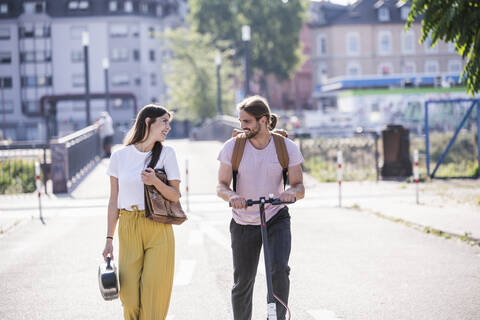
147	248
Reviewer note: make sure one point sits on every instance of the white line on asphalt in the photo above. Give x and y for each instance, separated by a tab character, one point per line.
185	273
323	314
196	238
215	235
170	317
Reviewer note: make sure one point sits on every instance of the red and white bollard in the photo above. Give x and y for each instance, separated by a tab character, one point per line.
339	177
38	184
186	185
416	174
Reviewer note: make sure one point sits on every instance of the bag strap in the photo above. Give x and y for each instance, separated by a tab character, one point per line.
282	155
237	156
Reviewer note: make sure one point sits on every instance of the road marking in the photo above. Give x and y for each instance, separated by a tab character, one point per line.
323	314
170	317
185	273
215	235
196	238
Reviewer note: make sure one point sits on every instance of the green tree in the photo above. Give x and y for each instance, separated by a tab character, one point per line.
275	27
455	21
191	76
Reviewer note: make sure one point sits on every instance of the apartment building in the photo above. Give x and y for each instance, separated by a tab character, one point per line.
42	54
365	45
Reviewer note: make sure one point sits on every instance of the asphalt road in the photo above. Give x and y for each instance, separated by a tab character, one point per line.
345	264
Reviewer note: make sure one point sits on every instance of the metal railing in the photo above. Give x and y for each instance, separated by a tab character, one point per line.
73	156
17	166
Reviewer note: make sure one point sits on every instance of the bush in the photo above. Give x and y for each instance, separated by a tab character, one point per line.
17	176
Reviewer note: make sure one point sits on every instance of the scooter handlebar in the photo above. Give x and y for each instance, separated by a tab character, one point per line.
274	201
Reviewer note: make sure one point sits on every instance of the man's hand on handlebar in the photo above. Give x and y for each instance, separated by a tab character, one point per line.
237	202
286	196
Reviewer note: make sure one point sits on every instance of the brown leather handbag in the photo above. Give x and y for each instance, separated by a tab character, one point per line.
159	209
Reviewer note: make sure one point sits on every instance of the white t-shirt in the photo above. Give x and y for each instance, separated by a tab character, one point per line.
127	163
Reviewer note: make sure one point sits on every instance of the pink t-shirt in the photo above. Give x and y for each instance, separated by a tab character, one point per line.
259	175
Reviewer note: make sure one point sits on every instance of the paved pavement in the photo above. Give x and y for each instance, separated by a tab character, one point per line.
346	263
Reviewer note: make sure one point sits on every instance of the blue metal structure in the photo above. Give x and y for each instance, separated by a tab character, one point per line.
445	152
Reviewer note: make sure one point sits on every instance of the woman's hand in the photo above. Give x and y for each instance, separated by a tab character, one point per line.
149	177
108	250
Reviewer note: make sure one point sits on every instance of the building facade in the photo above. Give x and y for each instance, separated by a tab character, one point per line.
42	54
365	45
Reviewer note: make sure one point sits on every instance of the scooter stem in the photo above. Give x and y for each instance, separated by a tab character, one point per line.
272	310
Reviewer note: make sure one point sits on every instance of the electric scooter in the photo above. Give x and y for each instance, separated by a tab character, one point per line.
272	307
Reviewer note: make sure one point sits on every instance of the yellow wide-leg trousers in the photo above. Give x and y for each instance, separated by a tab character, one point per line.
146	264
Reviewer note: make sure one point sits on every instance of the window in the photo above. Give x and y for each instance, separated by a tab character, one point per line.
159	10
322	72
321	45
4	8
138	80
78	5
4	33
384	42
385	68
6	82
153	79
118	30
77	56
383	14
113	6
27	31
128	6
404	11
5	57
151	54
36	81
353	43
134	30
409	67
39	56
119	54
151	32
144	7
120	79
29	7
353	69
431	66
451	47
76	32
78	80
408	42
42	31
454	66
7	106
30	107
427	45
136	55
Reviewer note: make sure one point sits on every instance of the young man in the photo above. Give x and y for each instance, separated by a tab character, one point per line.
259	175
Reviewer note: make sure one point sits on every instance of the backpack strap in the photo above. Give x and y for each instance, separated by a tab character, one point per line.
237	156
282	155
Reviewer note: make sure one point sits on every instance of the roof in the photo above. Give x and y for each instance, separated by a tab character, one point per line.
325	13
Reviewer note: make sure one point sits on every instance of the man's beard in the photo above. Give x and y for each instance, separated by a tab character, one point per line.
253	132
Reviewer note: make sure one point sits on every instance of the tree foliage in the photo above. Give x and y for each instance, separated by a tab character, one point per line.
455	21
191	76
275	27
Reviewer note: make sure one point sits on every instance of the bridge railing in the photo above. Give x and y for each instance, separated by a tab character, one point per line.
72	157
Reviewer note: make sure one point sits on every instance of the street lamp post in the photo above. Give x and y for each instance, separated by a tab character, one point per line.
4	129
246	42
218	63
85	43
107	89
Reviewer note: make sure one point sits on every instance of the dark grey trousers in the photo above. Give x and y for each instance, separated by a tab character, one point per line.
246	246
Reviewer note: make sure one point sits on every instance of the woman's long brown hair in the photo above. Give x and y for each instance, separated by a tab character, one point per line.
140	130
